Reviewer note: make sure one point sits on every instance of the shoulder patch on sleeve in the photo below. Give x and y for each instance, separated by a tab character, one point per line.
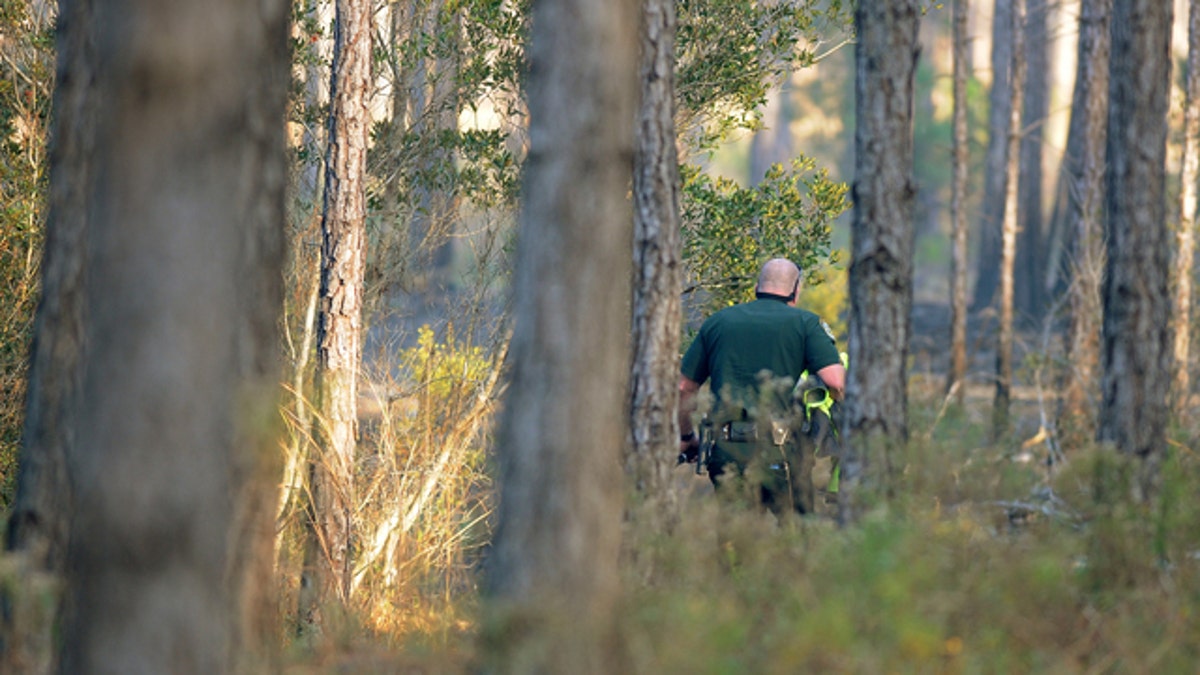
828	330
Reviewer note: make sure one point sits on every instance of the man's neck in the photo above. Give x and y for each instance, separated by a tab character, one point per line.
763	295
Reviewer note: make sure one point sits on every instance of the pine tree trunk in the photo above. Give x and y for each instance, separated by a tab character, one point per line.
657	273
174	463
38	524
552	577
434	97
326	576
1137	341
772	144
882	249
1085	172
1186	236
1029	301
1008	249
991	220
316	97
958	267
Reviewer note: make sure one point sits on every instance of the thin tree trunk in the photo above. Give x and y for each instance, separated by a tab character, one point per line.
552	578
957	380
1186	236
882	249
1028	298
772	144
1137	341
435	92
326	576
991	220
176	455
1085	173
1008	249
657	273
316	97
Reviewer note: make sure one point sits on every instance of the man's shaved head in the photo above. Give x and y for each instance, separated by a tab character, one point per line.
778	276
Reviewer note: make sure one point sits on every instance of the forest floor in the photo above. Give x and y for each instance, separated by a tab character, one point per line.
963	434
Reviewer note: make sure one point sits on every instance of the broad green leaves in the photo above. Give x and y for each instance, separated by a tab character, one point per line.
729	231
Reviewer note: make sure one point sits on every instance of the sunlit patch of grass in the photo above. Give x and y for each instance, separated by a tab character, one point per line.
423	497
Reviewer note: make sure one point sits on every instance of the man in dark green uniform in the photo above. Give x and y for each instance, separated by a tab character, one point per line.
754	354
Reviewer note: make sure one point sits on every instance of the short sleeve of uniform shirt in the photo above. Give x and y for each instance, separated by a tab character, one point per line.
738	342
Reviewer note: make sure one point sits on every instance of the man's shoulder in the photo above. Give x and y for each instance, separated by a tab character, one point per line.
727	313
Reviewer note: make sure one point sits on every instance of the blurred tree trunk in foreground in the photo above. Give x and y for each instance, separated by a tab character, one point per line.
1008	232
326	576
1186	236
169	563
657	271
987	278
1137	341
882	248
958	265
39	518
1084	169
552	579
38	522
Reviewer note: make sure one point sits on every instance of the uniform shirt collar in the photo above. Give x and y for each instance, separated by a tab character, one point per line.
760	295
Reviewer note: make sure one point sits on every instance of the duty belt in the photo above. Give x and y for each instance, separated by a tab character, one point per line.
747	432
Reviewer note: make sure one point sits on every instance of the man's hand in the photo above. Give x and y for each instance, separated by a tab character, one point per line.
689	451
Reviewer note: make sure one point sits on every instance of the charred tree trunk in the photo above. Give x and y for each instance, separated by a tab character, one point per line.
657	274
326	576
991	220
1084	169
174	464
882	248
552	579
1137	341
1029	299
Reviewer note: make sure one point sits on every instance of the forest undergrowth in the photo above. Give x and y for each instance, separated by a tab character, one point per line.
983	559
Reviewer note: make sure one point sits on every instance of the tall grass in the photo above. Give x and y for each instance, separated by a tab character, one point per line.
423	492
986	560
983	563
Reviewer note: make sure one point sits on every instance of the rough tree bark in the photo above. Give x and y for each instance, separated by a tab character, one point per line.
957	377
316	97
657	274
174	464
552	578
882	247
991	220
326	576
1084	166
1137	340
1185	247
1008	248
